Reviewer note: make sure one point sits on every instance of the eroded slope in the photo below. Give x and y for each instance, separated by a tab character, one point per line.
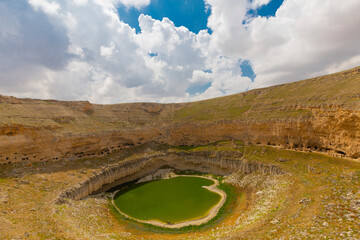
320	114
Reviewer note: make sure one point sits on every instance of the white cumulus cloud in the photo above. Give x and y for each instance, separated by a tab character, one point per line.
80	49
49	7
305	38
258	3
135	3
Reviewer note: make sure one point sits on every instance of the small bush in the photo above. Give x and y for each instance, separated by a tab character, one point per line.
88	108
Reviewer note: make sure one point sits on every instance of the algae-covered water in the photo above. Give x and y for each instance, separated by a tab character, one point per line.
174	200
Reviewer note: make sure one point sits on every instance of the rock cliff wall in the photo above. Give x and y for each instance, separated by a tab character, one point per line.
334	132
28	144
208	162
320	114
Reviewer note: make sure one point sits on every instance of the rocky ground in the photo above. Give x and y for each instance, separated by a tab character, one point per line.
318	197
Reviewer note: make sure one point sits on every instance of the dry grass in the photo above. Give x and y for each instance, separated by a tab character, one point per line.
284	101
318	198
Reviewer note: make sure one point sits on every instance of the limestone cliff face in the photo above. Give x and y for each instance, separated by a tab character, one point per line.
22	144
320	114
334	132
209	162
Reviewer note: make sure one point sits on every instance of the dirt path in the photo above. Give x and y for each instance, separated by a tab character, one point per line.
212	213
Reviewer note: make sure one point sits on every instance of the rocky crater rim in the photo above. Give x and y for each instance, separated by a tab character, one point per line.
127	171
315	115
197	221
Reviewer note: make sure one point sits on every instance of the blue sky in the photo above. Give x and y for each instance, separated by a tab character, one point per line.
192	14
267	10
189	13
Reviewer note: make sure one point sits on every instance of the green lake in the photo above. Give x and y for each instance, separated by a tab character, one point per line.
170	201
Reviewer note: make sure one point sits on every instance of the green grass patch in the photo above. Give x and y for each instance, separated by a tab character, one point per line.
218	146
214	109
3	180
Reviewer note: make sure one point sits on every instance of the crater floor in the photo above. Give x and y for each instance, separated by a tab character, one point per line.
317	197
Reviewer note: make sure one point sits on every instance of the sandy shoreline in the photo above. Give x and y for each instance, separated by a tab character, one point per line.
212	213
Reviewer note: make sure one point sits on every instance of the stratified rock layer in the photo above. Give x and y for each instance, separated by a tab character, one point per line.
209	162
320	114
